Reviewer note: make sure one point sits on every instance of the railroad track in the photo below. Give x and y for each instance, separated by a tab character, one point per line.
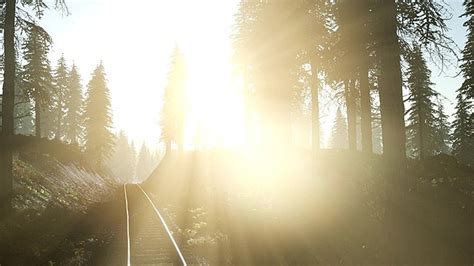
150	241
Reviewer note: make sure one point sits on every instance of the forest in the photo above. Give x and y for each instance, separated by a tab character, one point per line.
329	144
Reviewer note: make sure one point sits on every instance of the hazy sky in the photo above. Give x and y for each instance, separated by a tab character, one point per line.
134	39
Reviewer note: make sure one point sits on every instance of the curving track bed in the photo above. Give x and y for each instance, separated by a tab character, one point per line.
149	239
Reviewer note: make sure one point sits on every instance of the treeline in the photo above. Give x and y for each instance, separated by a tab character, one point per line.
129	166
369	54
50	102
44	101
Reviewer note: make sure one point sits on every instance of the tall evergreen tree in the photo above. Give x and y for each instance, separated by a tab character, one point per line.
463	135
60	89
339	138
99	139
24	124
467	66
174	102
421	128
73	122
36	74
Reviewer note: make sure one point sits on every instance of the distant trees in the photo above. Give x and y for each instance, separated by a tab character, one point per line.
99	139
443	130
338	136
174	102
123	161
36	75
145	164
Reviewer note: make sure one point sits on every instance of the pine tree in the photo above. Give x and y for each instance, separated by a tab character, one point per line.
463	135
73	122
467	66
99	139
174	102
60	89
24	124
421	128
339	132
23	112
36	74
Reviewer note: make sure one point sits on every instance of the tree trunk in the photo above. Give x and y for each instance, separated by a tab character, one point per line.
8	103
365	108
351	114
393	127
391	98
37	118
315	139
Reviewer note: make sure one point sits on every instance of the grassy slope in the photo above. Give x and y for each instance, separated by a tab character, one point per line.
56	195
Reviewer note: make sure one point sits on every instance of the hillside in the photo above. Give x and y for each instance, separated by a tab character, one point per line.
55	197
257	210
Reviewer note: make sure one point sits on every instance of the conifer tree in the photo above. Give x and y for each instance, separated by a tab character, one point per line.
23	112
463	135
60	90
174	102
36	74
467	65
73	122
24	124
339	132
99	139
421	128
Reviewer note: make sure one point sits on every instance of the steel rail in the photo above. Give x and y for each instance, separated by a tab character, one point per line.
128	224
168	232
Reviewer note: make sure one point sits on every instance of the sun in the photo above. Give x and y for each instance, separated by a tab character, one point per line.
216	114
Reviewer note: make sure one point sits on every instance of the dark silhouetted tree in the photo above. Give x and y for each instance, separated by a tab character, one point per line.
463	135
421	129
8	105
99	139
